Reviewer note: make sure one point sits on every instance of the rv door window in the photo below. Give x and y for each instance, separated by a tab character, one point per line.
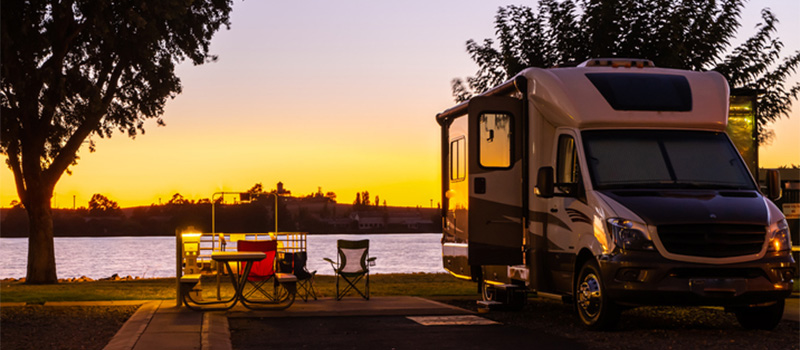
494	145
568	171
458	159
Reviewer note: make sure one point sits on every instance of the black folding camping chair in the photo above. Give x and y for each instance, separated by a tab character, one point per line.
295	263
352	265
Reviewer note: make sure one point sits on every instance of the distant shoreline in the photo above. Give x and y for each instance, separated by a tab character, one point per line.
296	215
309	233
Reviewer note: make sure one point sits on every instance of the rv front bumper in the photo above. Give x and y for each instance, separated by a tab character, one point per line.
647	278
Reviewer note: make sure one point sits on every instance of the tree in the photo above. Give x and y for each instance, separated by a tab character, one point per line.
258	188
178	199
684	34
331	195
77	68
100	205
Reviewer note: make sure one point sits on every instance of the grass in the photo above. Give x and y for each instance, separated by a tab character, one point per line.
418	284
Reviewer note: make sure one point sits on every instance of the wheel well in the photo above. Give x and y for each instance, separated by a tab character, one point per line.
583	256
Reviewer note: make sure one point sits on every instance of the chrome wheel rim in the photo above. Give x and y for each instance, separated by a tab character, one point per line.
589	296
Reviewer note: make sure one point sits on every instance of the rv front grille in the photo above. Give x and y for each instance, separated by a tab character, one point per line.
712	240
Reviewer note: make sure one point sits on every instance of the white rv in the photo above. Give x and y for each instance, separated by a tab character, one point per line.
610	185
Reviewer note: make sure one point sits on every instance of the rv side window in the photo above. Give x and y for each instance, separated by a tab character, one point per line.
458	159
494	146
568	171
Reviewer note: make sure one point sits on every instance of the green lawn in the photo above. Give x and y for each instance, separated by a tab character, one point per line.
421	284
426	285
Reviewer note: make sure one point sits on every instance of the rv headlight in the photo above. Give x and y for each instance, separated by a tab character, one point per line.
779	237
629	234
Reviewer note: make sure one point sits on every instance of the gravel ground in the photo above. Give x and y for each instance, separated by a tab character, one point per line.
648	328
61	327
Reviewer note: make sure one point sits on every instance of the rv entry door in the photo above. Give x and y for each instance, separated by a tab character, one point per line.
495	181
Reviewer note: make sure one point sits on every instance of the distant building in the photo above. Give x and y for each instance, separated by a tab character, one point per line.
282	191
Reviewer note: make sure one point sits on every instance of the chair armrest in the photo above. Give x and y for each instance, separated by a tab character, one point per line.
371	261
333	265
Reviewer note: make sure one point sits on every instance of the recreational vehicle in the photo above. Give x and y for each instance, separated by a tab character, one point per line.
610	185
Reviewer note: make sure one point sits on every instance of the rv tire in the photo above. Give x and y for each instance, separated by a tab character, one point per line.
760	317
594	308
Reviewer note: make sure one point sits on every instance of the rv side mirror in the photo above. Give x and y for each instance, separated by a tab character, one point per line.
544	182
773	184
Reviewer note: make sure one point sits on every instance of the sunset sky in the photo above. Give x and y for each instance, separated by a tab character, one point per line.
334	94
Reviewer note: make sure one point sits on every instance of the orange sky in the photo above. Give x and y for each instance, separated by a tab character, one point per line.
346	104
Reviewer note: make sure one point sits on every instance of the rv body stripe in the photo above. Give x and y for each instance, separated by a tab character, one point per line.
578	216
543	217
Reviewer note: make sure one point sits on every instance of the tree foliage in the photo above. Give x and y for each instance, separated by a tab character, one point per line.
683	34
258	188
178	199
76	68
100	205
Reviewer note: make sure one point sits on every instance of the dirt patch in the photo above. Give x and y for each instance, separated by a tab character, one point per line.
648	328
61	327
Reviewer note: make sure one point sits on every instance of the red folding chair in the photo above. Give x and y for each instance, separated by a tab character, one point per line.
262	274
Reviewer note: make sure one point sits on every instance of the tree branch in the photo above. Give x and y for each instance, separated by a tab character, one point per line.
67	153
13	162
64	32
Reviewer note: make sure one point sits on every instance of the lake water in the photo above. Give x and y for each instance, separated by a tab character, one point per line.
100	257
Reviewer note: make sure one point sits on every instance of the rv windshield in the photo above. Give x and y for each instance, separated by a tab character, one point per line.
664	159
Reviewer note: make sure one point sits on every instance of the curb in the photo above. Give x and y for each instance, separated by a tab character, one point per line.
77	303
129	334
215	334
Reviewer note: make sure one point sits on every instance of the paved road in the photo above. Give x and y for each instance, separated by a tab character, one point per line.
792	309
387	332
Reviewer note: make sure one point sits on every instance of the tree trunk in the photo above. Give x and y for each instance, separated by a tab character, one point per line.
41	248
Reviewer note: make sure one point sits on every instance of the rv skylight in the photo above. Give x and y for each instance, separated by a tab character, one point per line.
644	92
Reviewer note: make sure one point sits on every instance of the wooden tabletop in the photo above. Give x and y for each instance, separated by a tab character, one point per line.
238	256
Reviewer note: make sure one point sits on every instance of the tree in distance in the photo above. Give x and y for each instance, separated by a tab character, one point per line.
101	205
77	68
683	34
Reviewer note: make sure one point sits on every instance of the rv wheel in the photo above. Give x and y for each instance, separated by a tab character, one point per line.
760	317
595	309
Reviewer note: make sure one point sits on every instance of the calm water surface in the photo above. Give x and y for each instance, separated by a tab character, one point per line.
100	257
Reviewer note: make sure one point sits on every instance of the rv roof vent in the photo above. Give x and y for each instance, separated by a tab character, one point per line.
618	62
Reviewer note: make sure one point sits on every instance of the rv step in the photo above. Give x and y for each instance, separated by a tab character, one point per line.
507	286
487	305
506	297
